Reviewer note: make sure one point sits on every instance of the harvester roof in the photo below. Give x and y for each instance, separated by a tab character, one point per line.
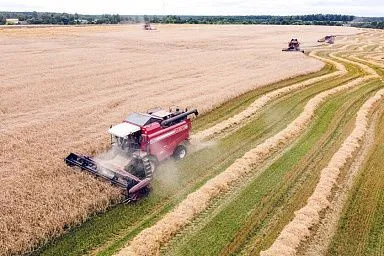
123	129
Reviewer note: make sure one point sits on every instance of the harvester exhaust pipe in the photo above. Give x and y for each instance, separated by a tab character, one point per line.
178	117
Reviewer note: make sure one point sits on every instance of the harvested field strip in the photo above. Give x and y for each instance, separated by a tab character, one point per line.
251	215
194	171
239	119
262	101
296	231
364	209
241	102
150	240
321	235
379	68
364	67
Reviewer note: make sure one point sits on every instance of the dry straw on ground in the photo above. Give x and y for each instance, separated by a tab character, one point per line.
299	228
63	87
321	238
149	241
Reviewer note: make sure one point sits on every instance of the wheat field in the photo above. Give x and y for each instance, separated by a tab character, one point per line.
62	87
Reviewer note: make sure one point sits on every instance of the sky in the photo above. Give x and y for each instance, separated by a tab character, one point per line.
373	8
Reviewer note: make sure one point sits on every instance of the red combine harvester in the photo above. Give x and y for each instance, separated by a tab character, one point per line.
148	26
327	39
293	46
138	144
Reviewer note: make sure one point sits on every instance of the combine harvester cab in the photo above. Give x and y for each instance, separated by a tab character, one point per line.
137	145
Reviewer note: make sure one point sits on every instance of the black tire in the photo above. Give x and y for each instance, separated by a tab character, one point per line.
153	162
180	152
136	168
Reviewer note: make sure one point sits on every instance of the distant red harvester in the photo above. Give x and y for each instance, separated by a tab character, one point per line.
139	143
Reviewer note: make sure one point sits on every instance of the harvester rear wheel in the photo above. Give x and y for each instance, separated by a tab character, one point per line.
180	152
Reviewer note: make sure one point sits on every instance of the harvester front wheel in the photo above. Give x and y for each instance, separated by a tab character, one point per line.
151	167
180	152
142	167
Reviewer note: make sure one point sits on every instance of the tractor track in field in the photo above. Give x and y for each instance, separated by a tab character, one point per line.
295	183
262	151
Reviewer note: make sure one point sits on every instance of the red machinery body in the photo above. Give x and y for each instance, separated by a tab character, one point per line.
162	142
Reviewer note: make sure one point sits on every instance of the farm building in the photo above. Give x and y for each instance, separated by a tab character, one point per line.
11	21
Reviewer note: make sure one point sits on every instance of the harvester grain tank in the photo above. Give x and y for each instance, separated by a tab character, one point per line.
138	144
293	46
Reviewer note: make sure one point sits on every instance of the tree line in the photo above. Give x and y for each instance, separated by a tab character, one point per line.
313	19
373	24
72	19
368	22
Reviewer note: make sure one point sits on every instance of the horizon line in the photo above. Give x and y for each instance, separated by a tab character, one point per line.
206	15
